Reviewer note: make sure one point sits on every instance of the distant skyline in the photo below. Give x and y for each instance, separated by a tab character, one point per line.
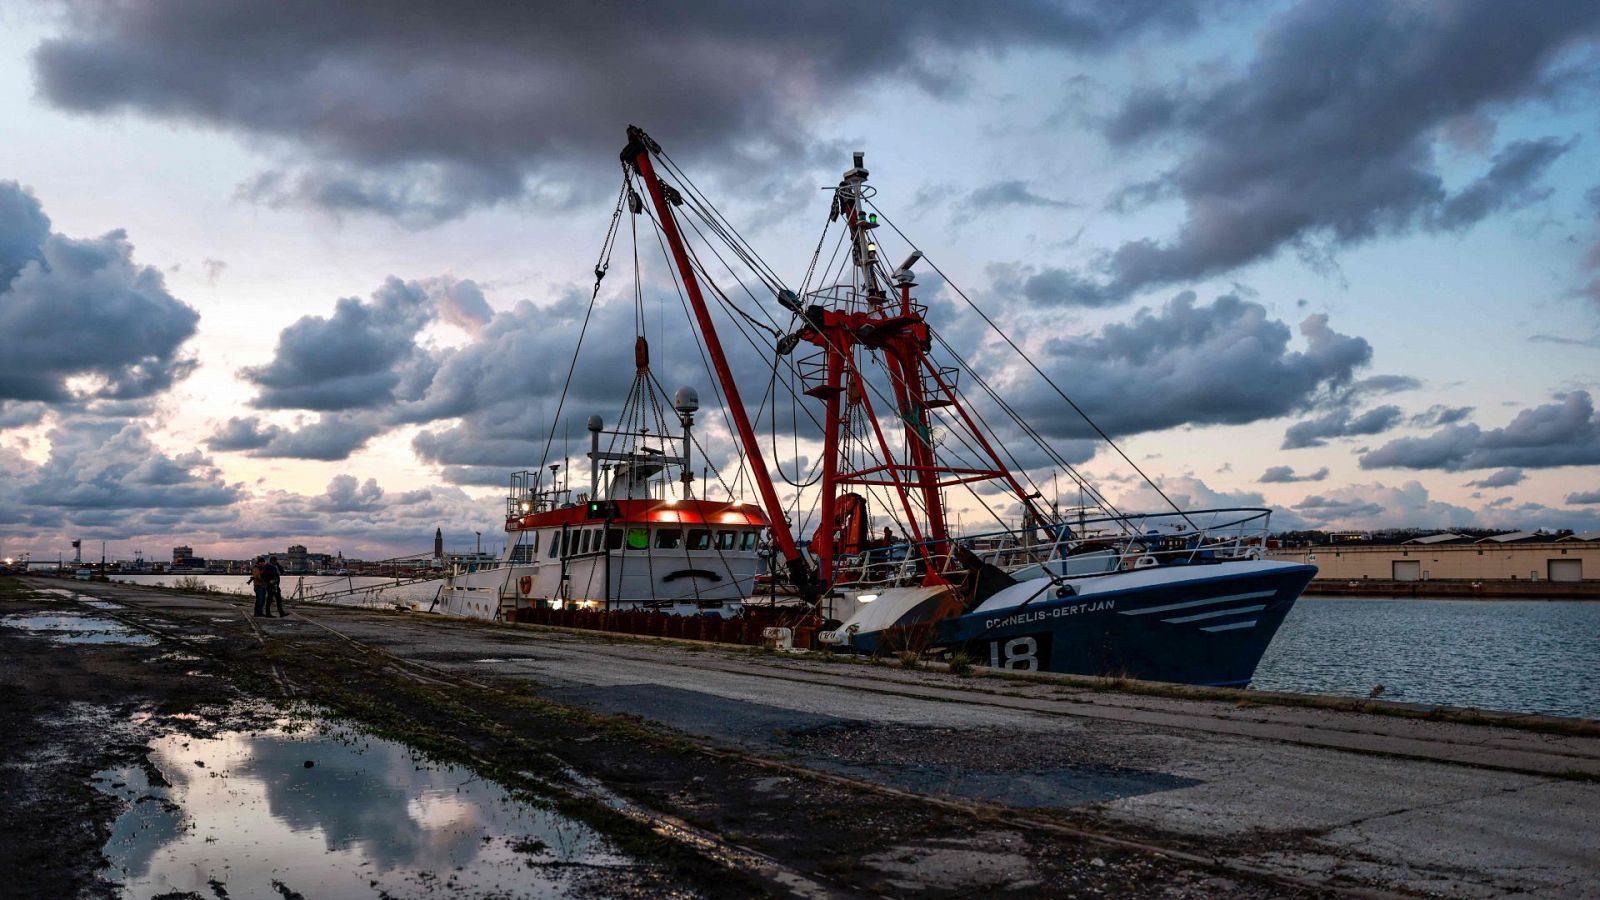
310	273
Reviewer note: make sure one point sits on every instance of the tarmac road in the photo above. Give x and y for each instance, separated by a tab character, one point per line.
1329	796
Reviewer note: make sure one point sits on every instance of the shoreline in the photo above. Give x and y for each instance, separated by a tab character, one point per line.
1456	590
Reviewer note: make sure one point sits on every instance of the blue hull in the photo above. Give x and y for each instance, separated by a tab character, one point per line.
1205	631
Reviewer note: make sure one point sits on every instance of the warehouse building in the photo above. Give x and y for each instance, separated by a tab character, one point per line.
1521	556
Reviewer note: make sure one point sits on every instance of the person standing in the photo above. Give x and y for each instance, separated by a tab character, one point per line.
273	576
259	582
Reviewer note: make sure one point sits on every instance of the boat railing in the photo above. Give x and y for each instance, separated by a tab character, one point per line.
1078	548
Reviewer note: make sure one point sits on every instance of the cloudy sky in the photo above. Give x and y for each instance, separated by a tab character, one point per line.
310	272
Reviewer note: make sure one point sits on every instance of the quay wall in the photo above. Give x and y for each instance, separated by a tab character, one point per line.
1457	590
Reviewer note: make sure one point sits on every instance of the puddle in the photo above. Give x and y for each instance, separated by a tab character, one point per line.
333	812
99	604
61	593
73	628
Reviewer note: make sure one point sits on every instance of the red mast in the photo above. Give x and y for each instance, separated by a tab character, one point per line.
896	328
637	153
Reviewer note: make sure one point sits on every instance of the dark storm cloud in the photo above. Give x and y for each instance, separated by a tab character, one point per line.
79	320
1584	497
1327	135
1508	183
364	368
1438	414
1380	505
240	434
24	228
17	415
359	358
1286	475
423	110
1384	384
461	303
104	465
1563	433
1340	423
1048	287
331	436
1501	478
1319	508
1012	192
1186	364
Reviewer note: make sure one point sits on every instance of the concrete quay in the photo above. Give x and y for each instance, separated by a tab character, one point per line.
1050	780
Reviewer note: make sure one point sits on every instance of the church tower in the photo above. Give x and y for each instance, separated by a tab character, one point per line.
438	543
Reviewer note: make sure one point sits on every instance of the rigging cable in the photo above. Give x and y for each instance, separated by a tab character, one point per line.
600	268
1034	366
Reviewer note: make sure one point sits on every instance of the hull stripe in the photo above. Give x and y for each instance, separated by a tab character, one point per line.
1230	626
1237	610
1253	595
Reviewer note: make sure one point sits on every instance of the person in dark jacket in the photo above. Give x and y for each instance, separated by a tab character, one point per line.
274	576
258	581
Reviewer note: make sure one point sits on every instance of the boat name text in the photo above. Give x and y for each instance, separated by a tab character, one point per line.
1056	613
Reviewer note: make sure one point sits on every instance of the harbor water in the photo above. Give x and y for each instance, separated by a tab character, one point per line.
1517	656
1522	656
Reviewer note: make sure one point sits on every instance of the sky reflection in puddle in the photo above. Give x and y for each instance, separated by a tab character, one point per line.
245	813
72	628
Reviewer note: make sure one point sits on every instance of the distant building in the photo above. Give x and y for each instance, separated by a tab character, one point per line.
1444	537
184	558
1348	537
1517	537
438	543
1544	558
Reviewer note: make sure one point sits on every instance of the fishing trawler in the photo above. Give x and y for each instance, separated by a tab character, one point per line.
1179	595
628	542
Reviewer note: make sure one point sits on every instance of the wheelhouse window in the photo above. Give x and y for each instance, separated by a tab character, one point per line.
727	540
638	539
668	538
613	538
699	539
555	544
747	541
583	544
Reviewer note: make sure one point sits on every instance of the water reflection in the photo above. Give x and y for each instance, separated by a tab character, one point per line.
243	811
1521	656
73	628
